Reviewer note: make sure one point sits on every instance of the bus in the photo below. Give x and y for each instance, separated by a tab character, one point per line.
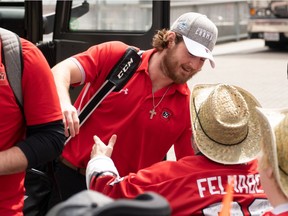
269	21
63	28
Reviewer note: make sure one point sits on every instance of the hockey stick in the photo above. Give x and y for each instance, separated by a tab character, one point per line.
117	78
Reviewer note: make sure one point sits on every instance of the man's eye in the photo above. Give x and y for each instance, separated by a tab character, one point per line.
201	59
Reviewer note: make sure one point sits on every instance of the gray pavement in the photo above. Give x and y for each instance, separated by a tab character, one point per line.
252	66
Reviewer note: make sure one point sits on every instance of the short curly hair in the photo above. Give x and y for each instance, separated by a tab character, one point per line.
160	39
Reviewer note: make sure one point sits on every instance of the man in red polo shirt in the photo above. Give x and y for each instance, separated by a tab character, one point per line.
29	137
151	112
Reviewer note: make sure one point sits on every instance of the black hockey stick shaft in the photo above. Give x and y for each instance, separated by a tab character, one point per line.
117	78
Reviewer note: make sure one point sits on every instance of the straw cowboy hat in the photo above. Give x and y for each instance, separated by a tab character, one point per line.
225	123
277	154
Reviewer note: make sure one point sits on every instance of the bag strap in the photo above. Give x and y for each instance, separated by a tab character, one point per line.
13	62
119	75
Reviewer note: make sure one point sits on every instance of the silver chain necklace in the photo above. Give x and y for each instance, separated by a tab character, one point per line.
152	111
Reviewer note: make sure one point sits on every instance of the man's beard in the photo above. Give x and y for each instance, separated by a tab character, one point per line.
170	68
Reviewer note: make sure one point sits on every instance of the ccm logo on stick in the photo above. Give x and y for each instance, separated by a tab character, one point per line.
125	68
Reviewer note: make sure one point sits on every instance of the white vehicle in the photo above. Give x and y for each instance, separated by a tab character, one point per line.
269	21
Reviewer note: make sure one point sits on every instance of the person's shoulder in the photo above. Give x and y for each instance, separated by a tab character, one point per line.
116	43
197	161
26	43
27	46
117	46
32	56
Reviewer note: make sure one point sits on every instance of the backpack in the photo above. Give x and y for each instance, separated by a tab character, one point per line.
37	183
13	62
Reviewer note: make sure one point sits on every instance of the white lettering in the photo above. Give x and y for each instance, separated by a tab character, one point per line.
251	183
258	185
200	188
222	190
235	183
125	68
212	188
243	188
204	33
246	184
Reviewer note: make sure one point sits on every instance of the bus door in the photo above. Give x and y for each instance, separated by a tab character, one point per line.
80	24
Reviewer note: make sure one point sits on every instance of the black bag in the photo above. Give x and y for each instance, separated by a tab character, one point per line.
38	187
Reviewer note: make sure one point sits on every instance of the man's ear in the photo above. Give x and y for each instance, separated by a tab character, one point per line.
171	38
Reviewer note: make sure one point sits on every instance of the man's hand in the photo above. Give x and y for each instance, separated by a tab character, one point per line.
70	120
101	149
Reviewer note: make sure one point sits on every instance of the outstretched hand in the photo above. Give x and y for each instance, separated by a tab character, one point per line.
101	149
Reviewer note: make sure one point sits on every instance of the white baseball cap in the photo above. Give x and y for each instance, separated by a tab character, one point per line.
199	34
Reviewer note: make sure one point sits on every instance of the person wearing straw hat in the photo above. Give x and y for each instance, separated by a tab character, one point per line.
227	136
273	162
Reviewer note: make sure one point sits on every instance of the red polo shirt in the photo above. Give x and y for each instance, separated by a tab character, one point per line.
41	105
141	141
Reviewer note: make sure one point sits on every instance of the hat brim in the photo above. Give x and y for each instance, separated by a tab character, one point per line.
243	152
275	117
199	50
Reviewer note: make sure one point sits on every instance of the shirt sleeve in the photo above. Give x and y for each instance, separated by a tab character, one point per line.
40	99
100	165
184	145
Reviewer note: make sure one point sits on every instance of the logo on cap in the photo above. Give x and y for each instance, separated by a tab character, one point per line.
182	25
204	33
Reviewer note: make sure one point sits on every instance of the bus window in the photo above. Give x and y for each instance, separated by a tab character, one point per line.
12	16
48	19
113	15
